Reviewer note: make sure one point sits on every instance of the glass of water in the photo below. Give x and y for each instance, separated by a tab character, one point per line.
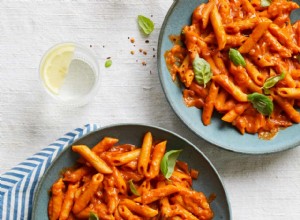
70	73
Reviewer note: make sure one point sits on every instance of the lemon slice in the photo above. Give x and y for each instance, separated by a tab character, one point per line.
55	66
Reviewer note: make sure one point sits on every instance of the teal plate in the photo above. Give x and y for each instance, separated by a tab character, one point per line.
208	182
218	132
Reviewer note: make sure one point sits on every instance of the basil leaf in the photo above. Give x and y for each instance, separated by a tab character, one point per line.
270	82
108	63
93	216
132	188
236	57
202	71
145	24
168	162
265	3
261	103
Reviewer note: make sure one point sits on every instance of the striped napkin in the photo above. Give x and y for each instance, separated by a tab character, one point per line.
18	185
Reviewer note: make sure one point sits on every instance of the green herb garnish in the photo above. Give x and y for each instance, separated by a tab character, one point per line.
270	82
261	103
145	24
93	216
108	63
236	57
202	71
133	188
168	163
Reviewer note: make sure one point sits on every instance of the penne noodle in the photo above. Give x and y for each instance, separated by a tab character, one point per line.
75	176
92	159
178	210
242	79
57	199
290	93
283	37
124	158
216	22
105	144
200	91
206	13
68	201
254	74
157	155
126	214
224	10
276	46
235	40
291	112
144	158
86	196
230	87
111	194
240	25
248	8
210	102
156	194
256	34
231	115
120	182
142	210
217	57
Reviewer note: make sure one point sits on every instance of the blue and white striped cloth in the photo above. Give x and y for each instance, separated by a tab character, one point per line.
17	186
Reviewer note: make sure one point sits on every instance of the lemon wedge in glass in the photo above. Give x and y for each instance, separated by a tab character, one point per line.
55	65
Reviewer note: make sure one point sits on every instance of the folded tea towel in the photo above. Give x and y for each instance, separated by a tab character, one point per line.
18	185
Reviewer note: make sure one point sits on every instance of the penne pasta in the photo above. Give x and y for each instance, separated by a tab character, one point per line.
68	201
216	21
124	158
142	210
120	182
290	93
92	158
230	87
157	155
55	206
86	196
126	193
105	144
257	33
210	102
144	158
247	47
293	114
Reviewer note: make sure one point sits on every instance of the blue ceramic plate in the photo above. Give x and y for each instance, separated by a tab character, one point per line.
208	181
218	133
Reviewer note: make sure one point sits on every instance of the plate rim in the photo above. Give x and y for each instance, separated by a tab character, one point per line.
42	179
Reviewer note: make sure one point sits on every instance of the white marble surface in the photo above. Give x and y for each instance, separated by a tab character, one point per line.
260	187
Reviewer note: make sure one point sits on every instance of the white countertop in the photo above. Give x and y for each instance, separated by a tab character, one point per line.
259	187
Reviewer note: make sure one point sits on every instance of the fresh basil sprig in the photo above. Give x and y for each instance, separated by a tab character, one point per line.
202	70
261	103
265	3
132	188
236	57
168	163
146	24
93	216
272	81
